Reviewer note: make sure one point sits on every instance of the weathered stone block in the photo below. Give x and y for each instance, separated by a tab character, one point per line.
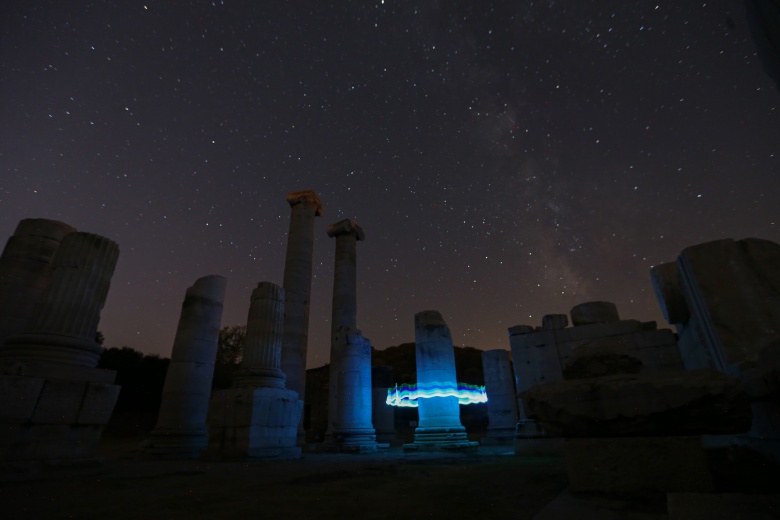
19	397
59	402
604	357
594	312
554	321
637	466
663	403
98	404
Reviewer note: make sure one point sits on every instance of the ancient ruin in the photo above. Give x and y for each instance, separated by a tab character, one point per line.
25	270
539	355
353	431
344	309
502	397
181	430
722	297
258	417
305	207
382	414
54	403
439	426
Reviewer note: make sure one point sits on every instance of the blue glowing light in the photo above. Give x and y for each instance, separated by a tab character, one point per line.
407	395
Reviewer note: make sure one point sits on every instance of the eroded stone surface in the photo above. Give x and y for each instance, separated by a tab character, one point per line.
664	403
603	357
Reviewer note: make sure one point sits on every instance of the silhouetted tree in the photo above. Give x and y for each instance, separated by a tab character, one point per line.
230	352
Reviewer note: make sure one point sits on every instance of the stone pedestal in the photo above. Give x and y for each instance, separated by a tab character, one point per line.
344	309
25	271
54	403
258	417
353	431
439	426
502	399
254	423
305	206
181	424
382	414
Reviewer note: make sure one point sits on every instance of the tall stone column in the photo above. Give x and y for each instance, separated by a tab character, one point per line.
502	399
181	424
439	425
353	430
66	315
261	365
344	310
25	270
305	206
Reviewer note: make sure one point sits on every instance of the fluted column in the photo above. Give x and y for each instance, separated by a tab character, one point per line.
353	410
25	271
502	399
181	423
261	365
66	316
344	309
305	206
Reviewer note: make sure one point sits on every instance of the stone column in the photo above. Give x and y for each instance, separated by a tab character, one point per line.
502	399
181	423
344	310
382	414
25	271
305	206
258	417
353	430
66	315
263	345
439	425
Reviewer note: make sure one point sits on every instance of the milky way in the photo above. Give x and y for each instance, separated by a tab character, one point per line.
505	159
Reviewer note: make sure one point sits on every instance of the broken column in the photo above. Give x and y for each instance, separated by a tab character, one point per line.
382	414
258	417
54	403
722	297
66	315
305	206
353	431
181	424
344	310
439	426
502	398
25	270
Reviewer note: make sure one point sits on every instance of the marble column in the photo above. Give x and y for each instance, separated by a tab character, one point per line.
258	417
344	309
382	414
439	425
353	430
261	365
66	315
55	402
181	424
25	270
502	399
305	206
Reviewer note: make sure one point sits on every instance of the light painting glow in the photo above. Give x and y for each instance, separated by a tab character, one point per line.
407	395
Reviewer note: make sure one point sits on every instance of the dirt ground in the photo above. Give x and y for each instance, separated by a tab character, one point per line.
493	483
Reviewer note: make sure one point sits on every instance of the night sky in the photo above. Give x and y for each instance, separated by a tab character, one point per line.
506	159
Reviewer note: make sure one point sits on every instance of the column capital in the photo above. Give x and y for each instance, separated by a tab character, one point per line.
346	227
308	197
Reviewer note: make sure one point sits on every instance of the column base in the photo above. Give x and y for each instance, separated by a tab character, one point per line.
253	423
62	349
441	439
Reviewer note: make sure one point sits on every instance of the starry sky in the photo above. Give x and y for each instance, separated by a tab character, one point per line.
506	160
